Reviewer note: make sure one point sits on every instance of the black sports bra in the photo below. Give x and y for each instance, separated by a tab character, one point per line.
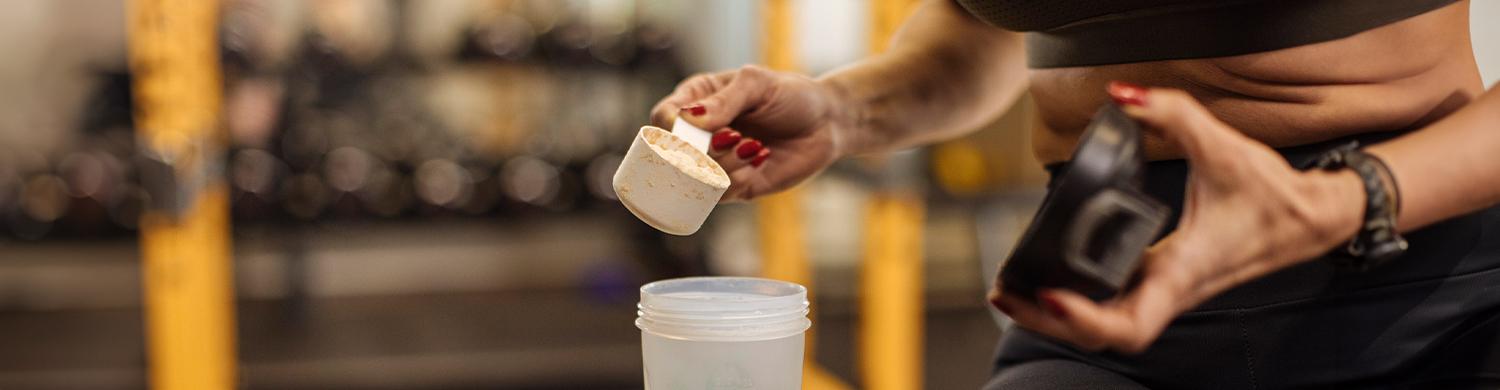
1063	33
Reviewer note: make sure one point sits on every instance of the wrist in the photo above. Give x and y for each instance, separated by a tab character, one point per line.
1340	205
847	116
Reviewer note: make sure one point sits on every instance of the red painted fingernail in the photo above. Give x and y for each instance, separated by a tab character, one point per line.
760	158
695	109
725	139
747	149
1053	306
1127	94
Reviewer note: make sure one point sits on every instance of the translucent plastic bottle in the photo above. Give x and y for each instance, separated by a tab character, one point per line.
722	333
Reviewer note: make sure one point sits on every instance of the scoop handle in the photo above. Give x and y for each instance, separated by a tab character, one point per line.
693	135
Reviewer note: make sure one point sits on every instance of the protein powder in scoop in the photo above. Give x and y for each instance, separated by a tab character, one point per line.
668	181
694	164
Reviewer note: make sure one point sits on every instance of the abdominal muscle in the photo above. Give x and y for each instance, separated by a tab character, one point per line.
1399	76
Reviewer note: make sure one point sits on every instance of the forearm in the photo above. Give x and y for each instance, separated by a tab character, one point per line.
945	74
1450	167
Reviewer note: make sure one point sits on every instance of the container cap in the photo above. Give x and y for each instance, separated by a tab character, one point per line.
723	309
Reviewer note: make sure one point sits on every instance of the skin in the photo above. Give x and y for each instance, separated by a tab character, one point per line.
1224	115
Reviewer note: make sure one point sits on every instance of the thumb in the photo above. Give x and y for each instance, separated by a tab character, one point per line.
746	91
1184	122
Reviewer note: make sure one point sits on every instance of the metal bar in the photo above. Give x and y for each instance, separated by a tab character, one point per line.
186	270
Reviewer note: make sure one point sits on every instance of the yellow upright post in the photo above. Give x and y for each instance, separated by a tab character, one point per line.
784	249
779	217
891	313
186	273
890	335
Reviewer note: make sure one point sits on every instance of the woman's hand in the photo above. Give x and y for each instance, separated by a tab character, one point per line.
753	112
1247	213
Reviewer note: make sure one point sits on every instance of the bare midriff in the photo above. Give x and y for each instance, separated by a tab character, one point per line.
1399	76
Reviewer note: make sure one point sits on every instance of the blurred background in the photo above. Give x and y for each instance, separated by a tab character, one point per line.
416	194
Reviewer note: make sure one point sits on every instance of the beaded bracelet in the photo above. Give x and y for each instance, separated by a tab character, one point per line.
1378	241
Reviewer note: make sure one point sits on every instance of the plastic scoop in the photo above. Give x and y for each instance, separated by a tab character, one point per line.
668	180
693	135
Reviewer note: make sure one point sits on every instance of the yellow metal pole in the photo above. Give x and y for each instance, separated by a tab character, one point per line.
891	306
779	48
186	272
890	335
779	217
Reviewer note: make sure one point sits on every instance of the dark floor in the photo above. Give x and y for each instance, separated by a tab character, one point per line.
517	340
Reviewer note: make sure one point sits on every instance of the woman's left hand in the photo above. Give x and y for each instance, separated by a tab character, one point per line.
1247	213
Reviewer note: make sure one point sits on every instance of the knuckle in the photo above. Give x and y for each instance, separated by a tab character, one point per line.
698	77
754	73
1180	120
693	81
1171	96
661	119
1173	102
1184	109
754	69
713	101
664	109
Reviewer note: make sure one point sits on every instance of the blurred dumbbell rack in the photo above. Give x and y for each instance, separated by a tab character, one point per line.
369	180
526	118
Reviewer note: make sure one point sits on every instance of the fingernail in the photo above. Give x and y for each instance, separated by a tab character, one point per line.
695	109
1127	94
725	139
748	149
760	158
1053	306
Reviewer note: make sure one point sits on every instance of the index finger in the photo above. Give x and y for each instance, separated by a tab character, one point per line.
1028	315
689	90
666	111
1131	322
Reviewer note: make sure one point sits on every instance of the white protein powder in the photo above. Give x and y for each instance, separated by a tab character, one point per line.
687	162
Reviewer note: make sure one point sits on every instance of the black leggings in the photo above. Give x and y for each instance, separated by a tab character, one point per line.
1430	319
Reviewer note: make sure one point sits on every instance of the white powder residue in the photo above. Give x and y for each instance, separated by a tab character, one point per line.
685	161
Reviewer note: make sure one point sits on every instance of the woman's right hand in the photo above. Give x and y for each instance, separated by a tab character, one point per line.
771	129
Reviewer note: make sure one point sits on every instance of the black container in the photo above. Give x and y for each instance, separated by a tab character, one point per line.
1090	231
